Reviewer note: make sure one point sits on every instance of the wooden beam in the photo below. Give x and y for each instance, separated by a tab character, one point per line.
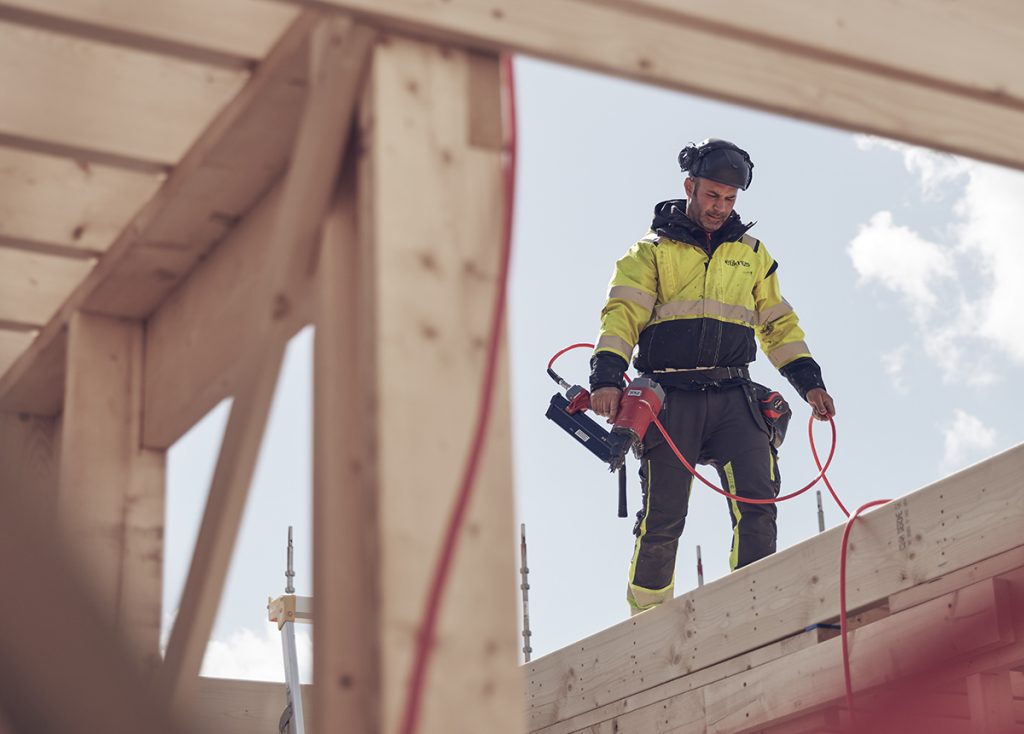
112	100
12	344
924	642
28	467
208	192
434	295
950	525
63	202
194	340
33	286
200	599
66	669
111	498
109	95
338	51
243	706
346	549
655	42
647	710
990	697
231	33
881	36
987	568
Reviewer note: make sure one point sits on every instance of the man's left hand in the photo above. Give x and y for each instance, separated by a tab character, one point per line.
821	403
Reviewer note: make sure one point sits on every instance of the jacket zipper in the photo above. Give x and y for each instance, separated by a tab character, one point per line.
704	295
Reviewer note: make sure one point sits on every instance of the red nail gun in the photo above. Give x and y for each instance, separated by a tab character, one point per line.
641	402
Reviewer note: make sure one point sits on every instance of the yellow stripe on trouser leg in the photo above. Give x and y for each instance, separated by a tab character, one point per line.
639	598
737	515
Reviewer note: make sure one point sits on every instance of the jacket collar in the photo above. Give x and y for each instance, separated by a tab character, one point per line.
670	221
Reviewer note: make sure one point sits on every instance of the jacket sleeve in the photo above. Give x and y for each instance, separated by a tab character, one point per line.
780	334
632	294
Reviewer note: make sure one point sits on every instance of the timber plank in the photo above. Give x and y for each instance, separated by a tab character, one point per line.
12	344
112	100
929	639
228	32
111	498
60	201
990	697
194	339
883	35
66	668
345	476
435	293
622	711
663	49
28	466
971	515
205	195
33	285
337	52
987	568
229	706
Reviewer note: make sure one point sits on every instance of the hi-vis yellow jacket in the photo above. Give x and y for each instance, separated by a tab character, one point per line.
690	304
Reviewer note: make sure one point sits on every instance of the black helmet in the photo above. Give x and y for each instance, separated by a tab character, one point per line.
718	160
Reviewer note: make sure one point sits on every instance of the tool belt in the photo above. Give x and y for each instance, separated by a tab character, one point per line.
766	404
702	377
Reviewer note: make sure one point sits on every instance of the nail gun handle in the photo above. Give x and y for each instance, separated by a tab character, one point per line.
623	512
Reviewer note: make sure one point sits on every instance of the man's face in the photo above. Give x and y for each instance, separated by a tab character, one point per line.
708	203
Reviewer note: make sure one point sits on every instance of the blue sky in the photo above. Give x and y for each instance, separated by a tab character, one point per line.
897	260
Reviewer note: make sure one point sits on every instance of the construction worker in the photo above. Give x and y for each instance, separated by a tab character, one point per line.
691	296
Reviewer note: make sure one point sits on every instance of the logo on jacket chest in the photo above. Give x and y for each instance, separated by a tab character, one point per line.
736	263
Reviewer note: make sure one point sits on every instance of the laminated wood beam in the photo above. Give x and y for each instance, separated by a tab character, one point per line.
990	697
338	51
888	37
346	547
65	667
969	516
28	465
62	202
194	339
967	106
112	100
232	33
225	171
646	710
12	344
431	202
111	498
33	286
987	568
930	642
228	706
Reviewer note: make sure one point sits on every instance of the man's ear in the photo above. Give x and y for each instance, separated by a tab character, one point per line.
688	186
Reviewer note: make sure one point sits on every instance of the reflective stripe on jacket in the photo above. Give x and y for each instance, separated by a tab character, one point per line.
687	309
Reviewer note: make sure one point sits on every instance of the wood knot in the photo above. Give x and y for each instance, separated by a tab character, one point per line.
282	306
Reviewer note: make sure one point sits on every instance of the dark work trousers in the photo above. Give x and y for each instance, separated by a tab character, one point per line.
721	427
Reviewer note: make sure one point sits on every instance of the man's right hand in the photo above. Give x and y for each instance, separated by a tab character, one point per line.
605	402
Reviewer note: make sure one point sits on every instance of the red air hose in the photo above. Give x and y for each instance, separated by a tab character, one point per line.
745	500
435	591
843	622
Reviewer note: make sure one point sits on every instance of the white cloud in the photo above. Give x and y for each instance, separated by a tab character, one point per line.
901	260
966	437
249	655
968	326
893	363
934	170
988	235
